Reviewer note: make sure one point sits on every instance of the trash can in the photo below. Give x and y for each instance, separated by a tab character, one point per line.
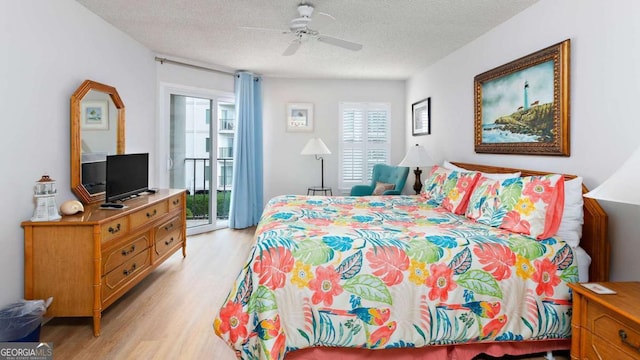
21	321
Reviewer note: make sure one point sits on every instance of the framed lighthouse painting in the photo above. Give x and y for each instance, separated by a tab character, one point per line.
522	107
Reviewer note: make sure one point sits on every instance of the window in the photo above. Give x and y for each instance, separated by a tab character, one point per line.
364	140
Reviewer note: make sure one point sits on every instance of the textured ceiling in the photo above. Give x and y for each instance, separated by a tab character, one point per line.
399	37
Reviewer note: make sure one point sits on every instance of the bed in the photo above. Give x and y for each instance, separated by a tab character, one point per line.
401	277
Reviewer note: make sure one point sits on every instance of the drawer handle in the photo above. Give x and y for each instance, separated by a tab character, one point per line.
152	214
126	272
168	227
176	201
167	242
623	338
127	252
114	230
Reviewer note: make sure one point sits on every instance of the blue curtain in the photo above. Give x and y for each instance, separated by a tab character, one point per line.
246	191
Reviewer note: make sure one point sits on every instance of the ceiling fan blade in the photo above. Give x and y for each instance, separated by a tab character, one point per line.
339	42
320	21
293	47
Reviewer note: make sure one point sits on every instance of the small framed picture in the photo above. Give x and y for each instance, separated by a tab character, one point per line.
94	115
299	117
421	117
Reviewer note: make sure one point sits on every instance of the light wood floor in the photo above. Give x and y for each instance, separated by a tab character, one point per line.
168	315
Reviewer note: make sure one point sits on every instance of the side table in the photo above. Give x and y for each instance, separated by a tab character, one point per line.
606	326
318	189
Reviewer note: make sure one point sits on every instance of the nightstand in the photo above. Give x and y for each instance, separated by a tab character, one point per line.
606	326
319	189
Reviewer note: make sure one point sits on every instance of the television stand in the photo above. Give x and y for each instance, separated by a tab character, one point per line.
89	260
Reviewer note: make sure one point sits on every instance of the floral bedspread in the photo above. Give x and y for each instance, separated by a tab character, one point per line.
391	271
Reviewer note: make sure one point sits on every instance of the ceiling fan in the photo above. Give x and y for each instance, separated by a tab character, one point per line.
300	28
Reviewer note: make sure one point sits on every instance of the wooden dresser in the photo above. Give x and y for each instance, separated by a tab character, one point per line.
606	326
87	261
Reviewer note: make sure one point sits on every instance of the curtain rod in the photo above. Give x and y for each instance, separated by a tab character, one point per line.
165	60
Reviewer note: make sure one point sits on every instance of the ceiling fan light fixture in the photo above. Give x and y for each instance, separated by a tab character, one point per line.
305	10
299	23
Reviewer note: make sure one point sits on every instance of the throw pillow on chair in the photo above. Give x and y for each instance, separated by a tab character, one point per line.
382	187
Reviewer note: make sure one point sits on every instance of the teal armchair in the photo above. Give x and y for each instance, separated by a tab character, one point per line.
396	175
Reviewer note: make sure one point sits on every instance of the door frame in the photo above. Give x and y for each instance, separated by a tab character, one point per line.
163	162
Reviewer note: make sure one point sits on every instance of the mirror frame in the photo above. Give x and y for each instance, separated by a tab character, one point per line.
76	140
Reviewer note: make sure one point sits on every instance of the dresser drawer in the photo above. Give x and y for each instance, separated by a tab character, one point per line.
114	228
607	327
175	202
114	258
168	237
124	273
597	348
146	215
169	228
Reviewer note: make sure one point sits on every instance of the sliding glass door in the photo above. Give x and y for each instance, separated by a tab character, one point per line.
199	128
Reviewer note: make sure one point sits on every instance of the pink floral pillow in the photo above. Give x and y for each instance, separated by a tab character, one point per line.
484	205
534	205
433	188
449	188
457	197
531	205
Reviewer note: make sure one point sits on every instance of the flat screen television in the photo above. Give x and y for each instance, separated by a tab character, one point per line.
127	175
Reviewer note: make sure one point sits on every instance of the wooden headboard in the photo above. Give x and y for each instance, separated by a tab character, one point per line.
594	230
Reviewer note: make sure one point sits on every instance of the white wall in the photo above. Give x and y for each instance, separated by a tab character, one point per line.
605	87
288	172
47	49
197	82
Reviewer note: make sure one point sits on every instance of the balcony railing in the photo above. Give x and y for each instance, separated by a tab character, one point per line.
198	199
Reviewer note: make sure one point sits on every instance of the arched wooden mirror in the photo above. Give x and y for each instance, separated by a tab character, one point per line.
97	130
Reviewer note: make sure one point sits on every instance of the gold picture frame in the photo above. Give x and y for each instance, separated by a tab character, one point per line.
522	107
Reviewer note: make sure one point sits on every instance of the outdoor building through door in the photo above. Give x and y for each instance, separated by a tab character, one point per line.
201	132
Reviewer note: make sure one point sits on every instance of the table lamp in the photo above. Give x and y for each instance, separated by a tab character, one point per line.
316	146
623	186
416	157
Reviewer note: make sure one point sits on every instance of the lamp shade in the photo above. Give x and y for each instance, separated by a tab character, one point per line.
416	157
315	146
623	186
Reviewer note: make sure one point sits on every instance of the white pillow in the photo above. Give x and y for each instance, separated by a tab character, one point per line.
493	176
570	229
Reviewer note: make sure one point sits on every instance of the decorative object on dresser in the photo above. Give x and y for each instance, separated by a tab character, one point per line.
523	107
606	326
421	117
89	260
317	147
45	195
417	157
71	207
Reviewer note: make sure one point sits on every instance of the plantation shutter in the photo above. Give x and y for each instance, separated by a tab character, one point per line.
364	139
